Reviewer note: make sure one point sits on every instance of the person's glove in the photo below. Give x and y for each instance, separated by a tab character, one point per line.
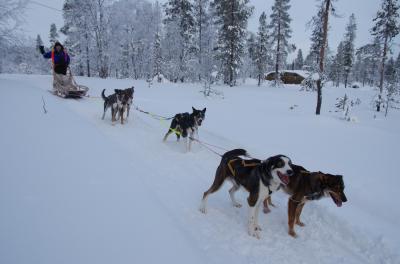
41	48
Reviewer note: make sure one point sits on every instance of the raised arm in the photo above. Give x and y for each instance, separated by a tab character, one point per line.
46	55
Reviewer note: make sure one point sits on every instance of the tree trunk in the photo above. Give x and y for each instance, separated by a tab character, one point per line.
322	57
278	50
87	55
378	105
200	40
231	57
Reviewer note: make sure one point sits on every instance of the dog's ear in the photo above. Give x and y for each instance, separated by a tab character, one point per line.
267	165
204	110
340	178
193	109
117	90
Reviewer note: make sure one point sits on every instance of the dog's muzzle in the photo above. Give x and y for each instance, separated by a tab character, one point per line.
338	199
283	177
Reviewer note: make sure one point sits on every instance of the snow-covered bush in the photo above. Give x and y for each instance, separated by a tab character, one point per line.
345	105
310	82
391	97
209	92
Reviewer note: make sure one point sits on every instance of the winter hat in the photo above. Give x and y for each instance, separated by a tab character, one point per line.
58	44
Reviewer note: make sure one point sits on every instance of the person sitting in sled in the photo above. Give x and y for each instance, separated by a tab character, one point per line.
59	57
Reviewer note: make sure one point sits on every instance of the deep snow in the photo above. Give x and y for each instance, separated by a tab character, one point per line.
75	189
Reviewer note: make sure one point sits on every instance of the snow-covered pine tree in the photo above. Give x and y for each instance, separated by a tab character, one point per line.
345	104
309	60
263	48
390	71
397	64
202	28
231	22
78	40
124	57
131	56
385	29
348	48
357	69
368	59
280	34
299	61
316	23
210	42
337	67
53	36
157	57
249	64
99	19
39	42
180	29
392	86
11	19
341	102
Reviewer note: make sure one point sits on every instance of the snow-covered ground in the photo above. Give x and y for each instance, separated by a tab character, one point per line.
75	189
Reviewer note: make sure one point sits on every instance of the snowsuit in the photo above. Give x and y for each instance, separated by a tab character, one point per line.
61	82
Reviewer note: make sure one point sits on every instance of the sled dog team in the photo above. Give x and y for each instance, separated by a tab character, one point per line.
260	178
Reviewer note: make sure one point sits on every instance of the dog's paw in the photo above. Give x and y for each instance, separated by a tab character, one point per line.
254	232
292	233
266	210
203	208
300	223
236	204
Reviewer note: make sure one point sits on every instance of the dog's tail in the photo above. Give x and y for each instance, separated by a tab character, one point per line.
103	95
233	153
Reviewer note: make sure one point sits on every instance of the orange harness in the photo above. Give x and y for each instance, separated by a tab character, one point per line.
243	163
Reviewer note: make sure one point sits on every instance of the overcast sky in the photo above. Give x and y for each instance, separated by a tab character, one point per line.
38	19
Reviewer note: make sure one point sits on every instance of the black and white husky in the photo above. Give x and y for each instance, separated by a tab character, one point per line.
259	177
113	101
186	125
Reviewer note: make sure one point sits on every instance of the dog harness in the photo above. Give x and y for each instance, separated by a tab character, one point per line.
243	163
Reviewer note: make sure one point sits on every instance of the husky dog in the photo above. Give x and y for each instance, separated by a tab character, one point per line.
185	124
126	102
114	101
259	177
305	186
